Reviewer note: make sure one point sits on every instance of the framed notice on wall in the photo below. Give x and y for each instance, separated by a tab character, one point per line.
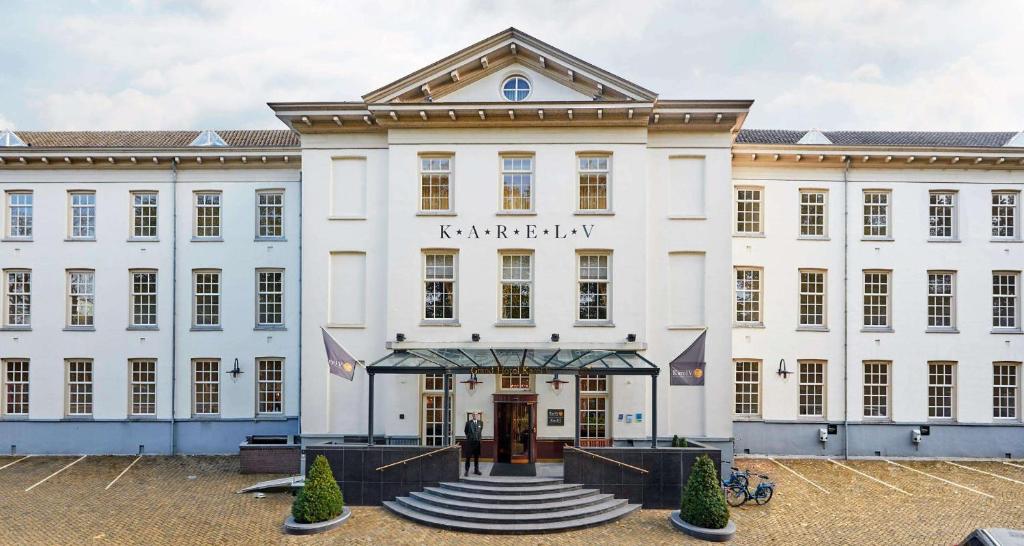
556	417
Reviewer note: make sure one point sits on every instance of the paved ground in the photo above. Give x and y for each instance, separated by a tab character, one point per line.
192	500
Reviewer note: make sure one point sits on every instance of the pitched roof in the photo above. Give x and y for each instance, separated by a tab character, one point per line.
928	139
259	138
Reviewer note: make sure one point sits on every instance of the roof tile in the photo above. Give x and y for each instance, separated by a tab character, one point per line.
929	139
260	138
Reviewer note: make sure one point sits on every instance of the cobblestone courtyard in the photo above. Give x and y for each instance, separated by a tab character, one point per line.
192	500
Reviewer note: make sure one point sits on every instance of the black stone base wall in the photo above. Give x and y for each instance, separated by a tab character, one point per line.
662	487
269	459
355	470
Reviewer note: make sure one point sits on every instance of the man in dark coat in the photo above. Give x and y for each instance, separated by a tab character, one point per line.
473	429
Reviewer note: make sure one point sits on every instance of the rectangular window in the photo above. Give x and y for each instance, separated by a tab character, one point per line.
942	221
83	214
516	183
1006	390
748	211
19	214
941	390
748	295
206	387
270	297
941	300
1005	215
813	214
1005	300
15	382
812	298
143	298
439	278
144	214
516	287
512	381
206	298
433	408
594	188
270	386
876	299
594	285
748	388
435	184
142	375
593	410
79	388
17	298
876	389
876	214
207	215
81	298
812	388
270	214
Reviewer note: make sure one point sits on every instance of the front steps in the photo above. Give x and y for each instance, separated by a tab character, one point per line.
510	506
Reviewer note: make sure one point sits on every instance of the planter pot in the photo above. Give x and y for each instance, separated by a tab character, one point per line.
293	527
710	535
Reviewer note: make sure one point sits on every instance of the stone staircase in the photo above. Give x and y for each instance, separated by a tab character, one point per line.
510	506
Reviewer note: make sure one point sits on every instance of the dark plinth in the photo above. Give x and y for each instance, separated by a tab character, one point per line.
269	458
667	471
355	469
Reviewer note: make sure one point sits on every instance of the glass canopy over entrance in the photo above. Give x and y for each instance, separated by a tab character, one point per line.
497	361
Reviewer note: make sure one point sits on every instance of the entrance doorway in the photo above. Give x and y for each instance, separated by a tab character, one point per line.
515	428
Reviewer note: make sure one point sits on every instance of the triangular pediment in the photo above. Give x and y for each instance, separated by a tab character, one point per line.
476	74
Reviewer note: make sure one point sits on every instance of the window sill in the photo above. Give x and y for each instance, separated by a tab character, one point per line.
143	240
143	328
877	239
346	217
1008	331
79	418
143	418
16	240
593	324
205	417
270	417
16	329
935	240
747	418
436	213
812	238
516	213
514	323
18	417
867	330
207	239
812	419
993	240
594	213
748	235
812	329
80	329
876	420
748	325
79	239
439	323
206	329
353	325
270	240
941	331
270	328
687	217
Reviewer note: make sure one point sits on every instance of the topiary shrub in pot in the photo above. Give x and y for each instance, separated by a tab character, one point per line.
320	499
703	512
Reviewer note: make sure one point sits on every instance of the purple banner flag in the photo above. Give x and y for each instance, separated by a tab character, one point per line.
340	361
688	367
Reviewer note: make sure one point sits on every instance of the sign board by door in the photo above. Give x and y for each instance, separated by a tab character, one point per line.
556	417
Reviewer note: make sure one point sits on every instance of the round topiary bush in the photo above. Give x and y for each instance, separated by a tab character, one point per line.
320	498
703	503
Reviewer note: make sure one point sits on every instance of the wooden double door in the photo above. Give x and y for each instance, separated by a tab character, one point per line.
515	428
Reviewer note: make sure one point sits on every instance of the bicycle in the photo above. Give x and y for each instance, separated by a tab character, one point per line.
735	488
764	491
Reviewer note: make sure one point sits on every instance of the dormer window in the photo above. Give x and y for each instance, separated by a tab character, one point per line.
9	139
515	88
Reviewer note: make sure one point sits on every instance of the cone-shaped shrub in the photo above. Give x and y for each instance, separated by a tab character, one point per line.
320	499
703	502
675	440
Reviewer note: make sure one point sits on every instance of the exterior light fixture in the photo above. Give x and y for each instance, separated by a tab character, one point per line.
631	337
554	338
399	337
556	382
472	382
476	337
235	371
782	369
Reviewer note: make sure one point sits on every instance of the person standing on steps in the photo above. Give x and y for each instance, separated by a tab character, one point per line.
474	427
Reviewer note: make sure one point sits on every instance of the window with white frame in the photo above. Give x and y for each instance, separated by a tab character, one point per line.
514	381
1005	215
144	215
748	295
594	286
516	286
205	386
142	377
593	408
270	297
270	214
433	408
81	298
516	183
17	298
435	184
83	215
941	390
269	386
812	388
19	214
593	183
206	298
876	389
877	214
812	298
207	215
79	387
15	387
1006	390
749	206
813	214
941	300
439	286
876	299
143	295
1006	300
942	221
747	388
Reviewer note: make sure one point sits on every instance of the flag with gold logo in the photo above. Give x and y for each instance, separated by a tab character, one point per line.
340	361
688	367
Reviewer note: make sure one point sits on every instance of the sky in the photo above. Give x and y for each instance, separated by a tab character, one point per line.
197	64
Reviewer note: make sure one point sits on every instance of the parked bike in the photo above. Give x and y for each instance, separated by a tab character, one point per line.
764	490
735	488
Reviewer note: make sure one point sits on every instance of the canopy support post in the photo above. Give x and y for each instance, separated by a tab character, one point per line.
445	417
576	420
654	412
369	419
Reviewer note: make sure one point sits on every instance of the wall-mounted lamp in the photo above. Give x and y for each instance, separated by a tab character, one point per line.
472	382
554	338
399	337
476	337
782	369
631	337
235	371
556	382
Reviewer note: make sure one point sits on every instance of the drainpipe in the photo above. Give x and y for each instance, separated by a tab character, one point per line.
300	311
846	311
174	303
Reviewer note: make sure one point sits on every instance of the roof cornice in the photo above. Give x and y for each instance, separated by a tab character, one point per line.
876	157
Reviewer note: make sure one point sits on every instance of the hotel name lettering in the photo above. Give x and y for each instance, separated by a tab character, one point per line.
526	231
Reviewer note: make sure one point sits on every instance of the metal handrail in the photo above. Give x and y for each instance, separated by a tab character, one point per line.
596	456
421	455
